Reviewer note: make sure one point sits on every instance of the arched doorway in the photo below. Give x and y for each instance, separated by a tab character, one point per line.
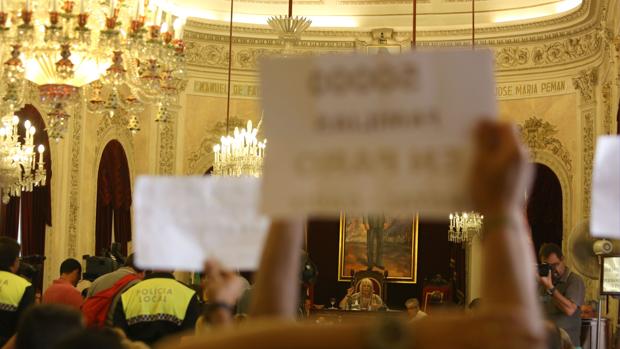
113	199
544	208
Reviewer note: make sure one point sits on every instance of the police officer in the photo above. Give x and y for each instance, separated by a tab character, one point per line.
156	307
16	294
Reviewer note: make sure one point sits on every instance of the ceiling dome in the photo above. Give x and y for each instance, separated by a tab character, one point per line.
432	14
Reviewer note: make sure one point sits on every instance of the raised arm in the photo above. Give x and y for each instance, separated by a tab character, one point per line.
510	318
499	181
276	292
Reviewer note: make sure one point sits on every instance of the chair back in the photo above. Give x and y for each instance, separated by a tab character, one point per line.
378	281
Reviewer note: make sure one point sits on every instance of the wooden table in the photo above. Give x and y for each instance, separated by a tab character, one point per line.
336	316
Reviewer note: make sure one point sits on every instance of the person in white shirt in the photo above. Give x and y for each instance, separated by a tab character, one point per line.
413	310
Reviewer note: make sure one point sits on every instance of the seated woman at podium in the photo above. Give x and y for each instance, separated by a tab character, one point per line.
365	299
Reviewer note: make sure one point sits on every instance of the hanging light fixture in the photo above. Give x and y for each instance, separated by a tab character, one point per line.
464	226
289	28
242	153
61	48
19	168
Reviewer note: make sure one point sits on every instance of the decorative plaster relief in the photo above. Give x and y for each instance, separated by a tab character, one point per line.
210	50
586	84
558	52
588	158
166	147
74	193
539	135
607	108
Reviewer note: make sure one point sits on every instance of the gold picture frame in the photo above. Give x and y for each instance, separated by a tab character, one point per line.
399	238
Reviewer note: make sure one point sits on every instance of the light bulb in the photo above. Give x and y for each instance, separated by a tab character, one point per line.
32	130
216	148
164	28
451	216
15	120
27	124
41	148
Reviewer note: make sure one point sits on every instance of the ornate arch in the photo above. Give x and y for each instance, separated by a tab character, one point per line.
546	149
109	129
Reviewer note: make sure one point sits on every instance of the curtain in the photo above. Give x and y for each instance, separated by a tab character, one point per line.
113	199
10	218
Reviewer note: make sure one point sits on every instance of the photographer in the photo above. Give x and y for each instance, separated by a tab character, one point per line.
562	291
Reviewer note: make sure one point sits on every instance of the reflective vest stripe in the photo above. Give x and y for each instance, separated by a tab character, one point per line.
12	288
158	299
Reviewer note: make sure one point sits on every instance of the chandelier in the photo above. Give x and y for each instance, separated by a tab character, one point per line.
464	226
113	55
19	169
241	154
289	28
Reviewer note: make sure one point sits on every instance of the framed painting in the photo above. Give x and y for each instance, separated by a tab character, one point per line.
379	242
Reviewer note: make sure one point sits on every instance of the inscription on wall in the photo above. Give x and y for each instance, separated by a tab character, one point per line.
515	90
215	88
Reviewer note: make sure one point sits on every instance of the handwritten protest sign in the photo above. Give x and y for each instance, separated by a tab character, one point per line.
372	133
605	215
182	221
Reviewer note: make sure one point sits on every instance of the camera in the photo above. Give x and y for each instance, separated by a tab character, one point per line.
544	269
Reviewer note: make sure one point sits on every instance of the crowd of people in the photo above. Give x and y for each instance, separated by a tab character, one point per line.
132	308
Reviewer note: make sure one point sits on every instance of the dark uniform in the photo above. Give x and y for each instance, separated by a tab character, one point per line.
16	294
156	307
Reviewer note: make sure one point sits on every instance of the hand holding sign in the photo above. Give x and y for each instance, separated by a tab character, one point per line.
180	222
372	133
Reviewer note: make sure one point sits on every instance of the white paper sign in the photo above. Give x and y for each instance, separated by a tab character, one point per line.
372	133
182	221
605	215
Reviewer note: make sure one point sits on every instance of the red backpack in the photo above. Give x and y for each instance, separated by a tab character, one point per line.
95	309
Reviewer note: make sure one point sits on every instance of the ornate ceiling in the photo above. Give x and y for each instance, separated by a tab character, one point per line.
397	14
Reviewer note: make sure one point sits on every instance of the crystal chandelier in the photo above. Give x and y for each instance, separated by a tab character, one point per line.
19	169
464	226
131	52
241	154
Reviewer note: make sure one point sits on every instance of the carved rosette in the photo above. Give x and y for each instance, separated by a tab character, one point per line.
585	83
539	135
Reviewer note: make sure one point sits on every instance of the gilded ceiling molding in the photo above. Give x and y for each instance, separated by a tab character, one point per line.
539	135
201	159
210	50
559	52
585	83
